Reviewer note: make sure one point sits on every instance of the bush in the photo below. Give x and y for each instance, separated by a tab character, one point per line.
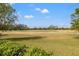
8	48
11	49
38	52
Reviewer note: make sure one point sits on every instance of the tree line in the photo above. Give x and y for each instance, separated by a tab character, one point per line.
25	27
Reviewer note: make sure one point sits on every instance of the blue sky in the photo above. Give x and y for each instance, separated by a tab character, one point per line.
45	14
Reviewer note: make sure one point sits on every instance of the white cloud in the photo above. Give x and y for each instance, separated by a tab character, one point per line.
28	16
37	9
45	11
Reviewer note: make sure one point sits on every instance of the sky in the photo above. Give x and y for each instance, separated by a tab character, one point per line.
45	14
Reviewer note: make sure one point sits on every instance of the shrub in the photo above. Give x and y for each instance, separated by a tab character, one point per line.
11	49
7	48
39	52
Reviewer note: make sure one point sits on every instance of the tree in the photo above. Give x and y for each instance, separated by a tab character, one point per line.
7	16
75	20
20	27
53	27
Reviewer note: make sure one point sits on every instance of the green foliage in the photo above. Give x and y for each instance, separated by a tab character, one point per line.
8	48
75	20
7	16
11	49
38	52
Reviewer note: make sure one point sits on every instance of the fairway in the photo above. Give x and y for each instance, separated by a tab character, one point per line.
60	42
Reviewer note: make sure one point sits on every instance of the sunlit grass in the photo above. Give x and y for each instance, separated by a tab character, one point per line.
63	42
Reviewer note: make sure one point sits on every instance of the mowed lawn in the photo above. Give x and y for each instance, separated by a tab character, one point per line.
60	42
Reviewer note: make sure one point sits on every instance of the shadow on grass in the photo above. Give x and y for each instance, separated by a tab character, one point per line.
3	34
23	38
76	36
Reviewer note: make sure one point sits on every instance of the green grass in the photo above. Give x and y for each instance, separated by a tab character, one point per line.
60	42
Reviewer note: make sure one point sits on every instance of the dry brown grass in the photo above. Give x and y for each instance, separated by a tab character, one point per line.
61	42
